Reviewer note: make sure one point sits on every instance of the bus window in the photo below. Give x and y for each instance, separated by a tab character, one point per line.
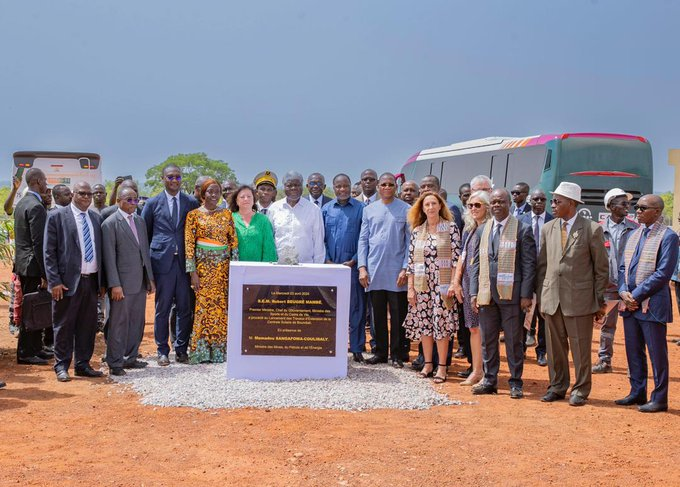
548	160
525	165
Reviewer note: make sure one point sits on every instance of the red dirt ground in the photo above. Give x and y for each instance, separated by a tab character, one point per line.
93	432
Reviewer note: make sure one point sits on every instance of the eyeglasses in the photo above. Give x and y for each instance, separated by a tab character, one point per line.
387	185
516	192
132	201
84	194
173	178
555	201
642	208
538	199
474	205
313	183
368	179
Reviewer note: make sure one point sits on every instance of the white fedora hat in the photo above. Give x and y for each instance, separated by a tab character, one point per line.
569	190
613	193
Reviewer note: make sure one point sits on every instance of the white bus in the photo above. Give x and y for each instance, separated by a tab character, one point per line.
59	167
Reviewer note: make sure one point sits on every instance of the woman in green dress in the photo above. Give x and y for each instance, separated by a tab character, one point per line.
253	229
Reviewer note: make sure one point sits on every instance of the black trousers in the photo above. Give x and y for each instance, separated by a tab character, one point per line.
395	341
30	342
75	325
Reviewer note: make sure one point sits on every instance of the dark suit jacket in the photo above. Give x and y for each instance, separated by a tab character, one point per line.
165	237
29	227
525	265
655	287
62	249
126	262
525	208
573	279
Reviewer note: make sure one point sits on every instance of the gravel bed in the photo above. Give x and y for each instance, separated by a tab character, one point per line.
206	387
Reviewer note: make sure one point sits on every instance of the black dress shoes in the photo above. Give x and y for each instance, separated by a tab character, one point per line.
541	360
181	357
631	400
136	364
465	373
516	393
460	353
397	363
45	354
89	372
576	400
418	363
375	359
62	376
163	360
484	388
32	361
358	357
117	371
2	384
653	407
552	397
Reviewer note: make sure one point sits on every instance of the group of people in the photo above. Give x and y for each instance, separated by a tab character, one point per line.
499	269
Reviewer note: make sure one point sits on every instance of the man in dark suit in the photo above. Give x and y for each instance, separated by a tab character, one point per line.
520	205
536	218
316	184
502	277
573	271
73	264
165	215
649	262
29	225
129	277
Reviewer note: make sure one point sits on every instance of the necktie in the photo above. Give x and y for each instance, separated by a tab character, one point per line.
87	240
564	235
264	211
317	202
174	211
537	233
495	242
133	227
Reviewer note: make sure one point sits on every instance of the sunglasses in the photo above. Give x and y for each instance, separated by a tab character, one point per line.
537	199
474	205
173	178
387	185
642	208
516	192
132	201
84	194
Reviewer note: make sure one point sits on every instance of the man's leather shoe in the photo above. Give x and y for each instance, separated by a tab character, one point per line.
46	354
376	360
516	393
136	364
163	360
2	384
181	357
541	360
552	397
418	365
62	376
602	368
358	357
484	388
32	361
653	407
531	341
459	353
576	400
89	372
117	371
631	400
397	363
465	373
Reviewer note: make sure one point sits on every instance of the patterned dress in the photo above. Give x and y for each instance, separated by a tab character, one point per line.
471	318
429	316
211	243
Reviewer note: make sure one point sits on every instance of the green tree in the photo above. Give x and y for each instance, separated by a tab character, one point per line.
667	198
193	166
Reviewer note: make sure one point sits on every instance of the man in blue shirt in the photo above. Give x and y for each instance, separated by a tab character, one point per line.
342	223
382	259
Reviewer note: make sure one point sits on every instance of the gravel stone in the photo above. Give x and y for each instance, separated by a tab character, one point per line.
205	386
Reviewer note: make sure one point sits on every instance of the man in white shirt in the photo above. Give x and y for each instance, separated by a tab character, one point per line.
298	225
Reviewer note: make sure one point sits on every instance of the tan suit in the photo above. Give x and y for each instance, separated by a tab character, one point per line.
570	287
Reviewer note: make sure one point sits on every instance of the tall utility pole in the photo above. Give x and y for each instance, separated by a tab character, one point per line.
674	160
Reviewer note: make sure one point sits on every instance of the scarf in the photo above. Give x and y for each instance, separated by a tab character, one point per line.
647	260
443	260
507	250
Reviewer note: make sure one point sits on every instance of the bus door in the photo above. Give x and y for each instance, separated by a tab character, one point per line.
499	170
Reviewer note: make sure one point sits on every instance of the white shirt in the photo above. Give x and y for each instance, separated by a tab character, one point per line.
85	267
313	201
502	224
570	223
169	198
298	229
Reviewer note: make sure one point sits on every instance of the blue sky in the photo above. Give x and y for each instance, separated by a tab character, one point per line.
330	86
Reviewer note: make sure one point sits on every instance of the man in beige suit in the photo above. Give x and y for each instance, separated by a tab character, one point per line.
572	275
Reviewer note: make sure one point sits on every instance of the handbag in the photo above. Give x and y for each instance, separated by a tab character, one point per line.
37	310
